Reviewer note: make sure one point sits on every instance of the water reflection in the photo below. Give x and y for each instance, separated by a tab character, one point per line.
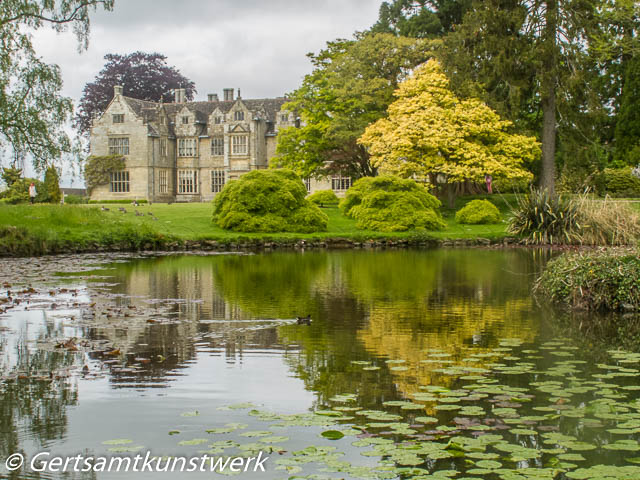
194	328
37	384
364	305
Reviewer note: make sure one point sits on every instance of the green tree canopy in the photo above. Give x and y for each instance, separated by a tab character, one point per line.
420	18
627	133
32	111
351	86
544	65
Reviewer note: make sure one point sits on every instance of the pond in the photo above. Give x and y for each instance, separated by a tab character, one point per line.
417	364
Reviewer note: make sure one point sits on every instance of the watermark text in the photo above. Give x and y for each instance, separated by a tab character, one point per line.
46	462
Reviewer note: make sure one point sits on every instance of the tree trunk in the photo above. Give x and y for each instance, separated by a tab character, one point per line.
451	194
549	83
548	179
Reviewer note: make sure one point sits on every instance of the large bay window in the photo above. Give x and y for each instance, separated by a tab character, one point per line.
187	181
240	145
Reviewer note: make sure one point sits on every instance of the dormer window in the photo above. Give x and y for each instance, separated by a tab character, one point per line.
217	120
238	116
185	120
117	118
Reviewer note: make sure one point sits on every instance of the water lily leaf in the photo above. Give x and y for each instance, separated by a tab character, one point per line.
126	449
274	439
332	434
195	441
118	441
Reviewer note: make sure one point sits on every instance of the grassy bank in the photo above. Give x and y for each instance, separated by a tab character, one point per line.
605	280
39	229
32	230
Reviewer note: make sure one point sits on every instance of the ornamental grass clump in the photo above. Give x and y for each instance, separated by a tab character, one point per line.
607	222
478	212
323	197
601	280
391	204
267	201
545	219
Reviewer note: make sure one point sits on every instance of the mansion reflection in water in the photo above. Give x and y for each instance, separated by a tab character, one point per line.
394	304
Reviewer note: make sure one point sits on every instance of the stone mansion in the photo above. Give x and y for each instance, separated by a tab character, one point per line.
187	151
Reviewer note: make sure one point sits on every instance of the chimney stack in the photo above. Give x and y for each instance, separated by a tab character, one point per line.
117	90
180	94
213	97
228	94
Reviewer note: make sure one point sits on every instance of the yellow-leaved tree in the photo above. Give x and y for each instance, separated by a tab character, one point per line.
429	132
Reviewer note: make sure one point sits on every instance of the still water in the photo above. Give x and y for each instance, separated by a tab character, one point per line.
417	364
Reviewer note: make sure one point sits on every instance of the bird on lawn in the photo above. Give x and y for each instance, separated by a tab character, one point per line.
304	320
104	209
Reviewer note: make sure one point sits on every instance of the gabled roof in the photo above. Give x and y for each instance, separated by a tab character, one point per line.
268	107
142	108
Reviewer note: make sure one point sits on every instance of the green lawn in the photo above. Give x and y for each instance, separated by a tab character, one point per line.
193	221
26	229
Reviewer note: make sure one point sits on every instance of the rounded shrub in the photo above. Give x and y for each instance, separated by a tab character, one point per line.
267	201
478	212
620	182
391	204
323	197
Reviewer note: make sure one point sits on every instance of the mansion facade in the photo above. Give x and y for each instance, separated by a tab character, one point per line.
187	151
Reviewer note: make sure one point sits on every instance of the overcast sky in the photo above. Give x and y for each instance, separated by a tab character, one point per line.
255	45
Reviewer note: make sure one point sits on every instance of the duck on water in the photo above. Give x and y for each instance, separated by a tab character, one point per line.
304	320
